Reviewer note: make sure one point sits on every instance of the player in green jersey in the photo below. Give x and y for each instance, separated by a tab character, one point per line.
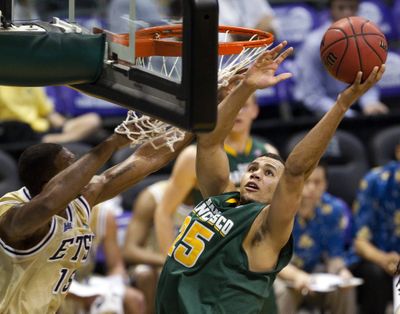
232	245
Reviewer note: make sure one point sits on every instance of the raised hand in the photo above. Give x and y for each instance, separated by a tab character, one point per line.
262	73
357	89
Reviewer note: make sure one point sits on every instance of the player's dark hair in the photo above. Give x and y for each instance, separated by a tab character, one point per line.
273	156
36	166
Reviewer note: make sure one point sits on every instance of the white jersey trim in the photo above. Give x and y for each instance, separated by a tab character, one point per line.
85	205
38	247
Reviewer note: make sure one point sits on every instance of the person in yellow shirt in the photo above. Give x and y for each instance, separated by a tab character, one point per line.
31	105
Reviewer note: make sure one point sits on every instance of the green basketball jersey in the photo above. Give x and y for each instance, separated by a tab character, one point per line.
238	162
207	269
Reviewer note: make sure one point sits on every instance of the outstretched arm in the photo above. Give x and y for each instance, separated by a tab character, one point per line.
144	161
278	223
139	230
29	218
179	185
212	166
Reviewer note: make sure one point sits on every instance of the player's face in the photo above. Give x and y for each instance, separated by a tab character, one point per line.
314	186
260	180
246	116
343	8
64	159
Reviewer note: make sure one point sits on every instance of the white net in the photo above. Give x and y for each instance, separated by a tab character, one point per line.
142	129
229	65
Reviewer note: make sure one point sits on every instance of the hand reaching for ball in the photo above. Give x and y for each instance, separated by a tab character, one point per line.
359	88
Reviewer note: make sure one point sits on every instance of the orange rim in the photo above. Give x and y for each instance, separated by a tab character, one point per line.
164	40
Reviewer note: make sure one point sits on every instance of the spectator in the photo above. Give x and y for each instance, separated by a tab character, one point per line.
251	14
314	86
319	236
140	249
377	235
32	106
111	292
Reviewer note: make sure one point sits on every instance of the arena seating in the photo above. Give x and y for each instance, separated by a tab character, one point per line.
382	145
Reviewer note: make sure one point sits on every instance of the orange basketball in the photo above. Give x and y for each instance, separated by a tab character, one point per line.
350	45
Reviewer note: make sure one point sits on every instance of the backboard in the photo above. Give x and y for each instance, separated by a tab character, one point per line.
187	99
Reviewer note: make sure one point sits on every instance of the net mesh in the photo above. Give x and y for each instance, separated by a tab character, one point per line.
147	129
229	65
142	129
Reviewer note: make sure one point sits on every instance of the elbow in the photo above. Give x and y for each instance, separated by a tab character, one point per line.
128	255
295	167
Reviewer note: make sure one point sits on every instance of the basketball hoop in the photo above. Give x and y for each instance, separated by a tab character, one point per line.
147	129
165	42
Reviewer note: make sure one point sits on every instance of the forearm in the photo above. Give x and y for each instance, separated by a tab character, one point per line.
60	190
290	272
140	255
227	112
164	227
210	155
70	182
309	150
368	251
144	161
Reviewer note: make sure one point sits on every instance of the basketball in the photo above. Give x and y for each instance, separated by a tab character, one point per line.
351	45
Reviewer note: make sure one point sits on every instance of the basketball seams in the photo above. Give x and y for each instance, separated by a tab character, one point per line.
336	41
356	42
348	37
343	55
368	44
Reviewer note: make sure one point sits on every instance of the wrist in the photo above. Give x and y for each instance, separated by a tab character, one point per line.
248	85
117	140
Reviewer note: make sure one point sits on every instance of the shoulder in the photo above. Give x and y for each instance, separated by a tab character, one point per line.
189	152
155	191
186	161
13	198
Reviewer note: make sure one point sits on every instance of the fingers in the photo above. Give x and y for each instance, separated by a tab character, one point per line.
283	76
271	54
358	79
376	75
372	78
284	55
277	49
381	71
